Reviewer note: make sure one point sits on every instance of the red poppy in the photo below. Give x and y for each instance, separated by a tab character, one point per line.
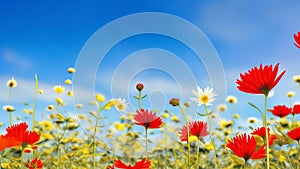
244	146
198	129
294	134
297	39
296	109
147	119
143	164
184	133
280	111
259	80
4	143
261	131
34	164
17	135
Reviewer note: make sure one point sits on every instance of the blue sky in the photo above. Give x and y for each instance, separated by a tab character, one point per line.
46	38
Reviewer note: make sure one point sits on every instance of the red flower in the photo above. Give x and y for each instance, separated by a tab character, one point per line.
297	40
34	164
111	167
143	164
294	134
296	109
147	119
19	135
261	131
280	111
259	80
184	133
139	86
4	143
244	146
198	129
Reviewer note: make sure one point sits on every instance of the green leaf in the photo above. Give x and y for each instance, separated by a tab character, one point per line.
91	113
143	96
41	142
27	104
204	114
253	105
135	97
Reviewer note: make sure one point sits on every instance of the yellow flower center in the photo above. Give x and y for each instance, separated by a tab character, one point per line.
11	84
204	99
120	107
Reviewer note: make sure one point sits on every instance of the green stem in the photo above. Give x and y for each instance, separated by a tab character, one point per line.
10	113
198	145
289	159
10	118
114	150
279	156
266	129
94	139
298	154
58	144
22	154
188	131
245	165
34	101
210	135
293	121
139	100
146	142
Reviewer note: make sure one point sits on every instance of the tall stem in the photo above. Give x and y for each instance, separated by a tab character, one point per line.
146	142
279	156
298	154
22	154
34	101
139	100
198	145
293	121
58	144
10	113
210	135
94	139
188	135
245	164
266	129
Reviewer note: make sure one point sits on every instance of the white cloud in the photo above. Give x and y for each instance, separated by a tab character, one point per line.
26	88
12	57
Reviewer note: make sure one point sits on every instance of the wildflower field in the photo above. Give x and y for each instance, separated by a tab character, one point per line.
58	141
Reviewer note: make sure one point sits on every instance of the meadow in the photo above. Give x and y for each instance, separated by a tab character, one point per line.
58	141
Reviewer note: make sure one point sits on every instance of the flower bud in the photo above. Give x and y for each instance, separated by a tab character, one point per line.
174	102
139	86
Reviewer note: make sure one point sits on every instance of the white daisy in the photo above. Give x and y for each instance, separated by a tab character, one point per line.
231	99
205	97
252	120
8	108
12	83
120	104
290	94
221	107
